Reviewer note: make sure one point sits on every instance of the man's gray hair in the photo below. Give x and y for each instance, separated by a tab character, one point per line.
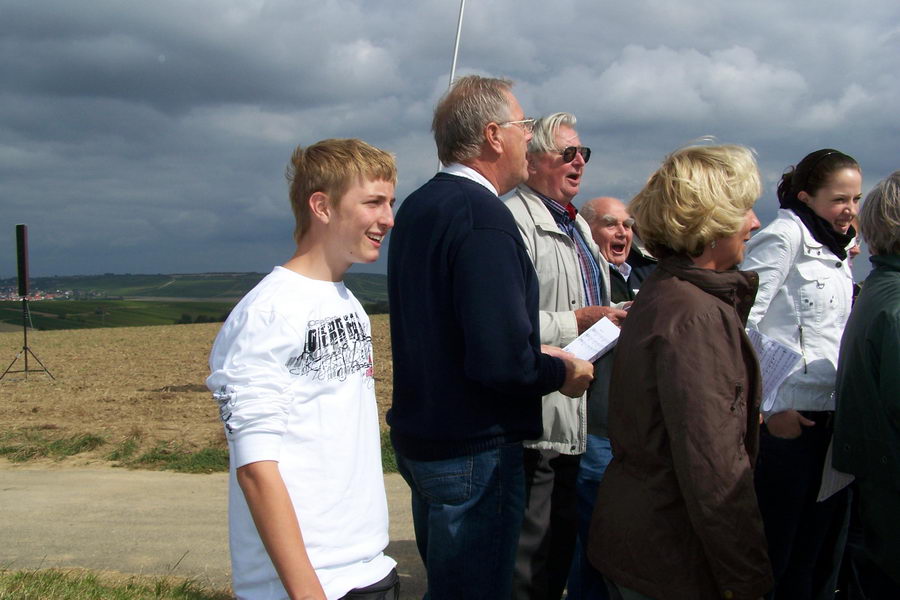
462	113
588	211
543	139
879	218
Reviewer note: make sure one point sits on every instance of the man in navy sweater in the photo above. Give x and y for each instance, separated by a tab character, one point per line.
469	370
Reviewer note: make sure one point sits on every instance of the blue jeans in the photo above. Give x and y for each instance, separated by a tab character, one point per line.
467	512
586	582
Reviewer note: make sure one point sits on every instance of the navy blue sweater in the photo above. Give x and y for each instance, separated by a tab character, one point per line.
468	370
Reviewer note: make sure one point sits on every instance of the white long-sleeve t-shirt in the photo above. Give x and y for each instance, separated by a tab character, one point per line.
292	371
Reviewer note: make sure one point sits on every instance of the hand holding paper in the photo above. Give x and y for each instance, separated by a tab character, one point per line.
589	315
579	372
596	341
776	361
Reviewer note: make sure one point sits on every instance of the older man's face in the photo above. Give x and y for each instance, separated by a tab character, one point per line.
550	175
612	231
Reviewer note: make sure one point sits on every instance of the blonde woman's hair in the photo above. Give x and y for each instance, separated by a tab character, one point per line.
699	194
331	167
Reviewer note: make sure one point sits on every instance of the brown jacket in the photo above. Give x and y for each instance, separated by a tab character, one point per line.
676	515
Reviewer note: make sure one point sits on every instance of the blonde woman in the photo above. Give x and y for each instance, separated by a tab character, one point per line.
676	515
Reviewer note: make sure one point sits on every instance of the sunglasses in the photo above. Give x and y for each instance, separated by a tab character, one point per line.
568	153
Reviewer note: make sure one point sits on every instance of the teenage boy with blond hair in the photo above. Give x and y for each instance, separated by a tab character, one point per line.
292	372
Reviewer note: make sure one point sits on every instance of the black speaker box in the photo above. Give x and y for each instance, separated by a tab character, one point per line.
22	247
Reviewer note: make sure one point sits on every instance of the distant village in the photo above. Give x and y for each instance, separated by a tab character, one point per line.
12	293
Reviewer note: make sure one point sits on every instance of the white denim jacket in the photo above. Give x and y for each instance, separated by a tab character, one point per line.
561	294
804	300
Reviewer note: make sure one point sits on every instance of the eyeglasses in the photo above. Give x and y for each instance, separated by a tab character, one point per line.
527	125
568	153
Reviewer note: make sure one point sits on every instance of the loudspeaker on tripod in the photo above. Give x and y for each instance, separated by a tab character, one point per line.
22	251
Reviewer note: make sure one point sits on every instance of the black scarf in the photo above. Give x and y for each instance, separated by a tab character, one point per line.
821	229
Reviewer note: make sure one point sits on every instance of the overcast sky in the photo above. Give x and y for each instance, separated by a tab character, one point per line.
151	137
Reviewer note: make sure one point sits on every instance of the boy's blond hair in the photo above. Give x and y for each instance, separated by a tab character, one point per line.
331	167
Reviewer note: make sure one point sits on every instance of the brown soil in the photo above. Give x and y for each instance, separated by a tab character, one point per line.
145	383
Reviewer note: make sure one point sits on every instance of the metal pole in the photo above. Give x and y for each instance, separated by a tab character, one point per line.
25	333
462	8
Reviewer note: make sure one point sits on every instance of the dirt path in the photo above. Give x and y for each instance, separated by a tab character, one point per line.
145	522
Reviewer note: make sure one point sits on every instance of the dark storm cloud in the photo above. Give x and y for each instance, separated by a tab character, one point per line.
152	137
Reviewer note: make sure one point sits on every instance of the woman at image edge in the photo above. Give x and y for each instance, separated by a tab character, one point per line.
804	301
676	515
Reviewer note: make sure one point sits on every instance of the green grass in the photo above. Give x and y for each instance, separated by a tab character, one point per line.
201	285
125	450
368	287
172	457
81	314
388	458
54	584
31	443
34	443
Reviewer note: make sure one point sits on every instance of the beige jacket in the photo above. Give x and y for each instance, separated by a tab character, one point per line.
555	260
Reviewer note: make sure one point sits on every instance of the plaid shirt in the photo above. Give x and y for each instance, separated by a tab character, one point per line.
590	270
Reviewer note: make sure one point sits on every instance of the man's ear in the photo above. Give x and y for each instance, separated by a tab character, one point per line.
532	166
320	206
492	137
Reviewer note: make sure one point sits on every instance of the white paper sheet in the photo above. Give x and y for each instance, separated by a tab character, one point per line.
833	480
776	361
596	341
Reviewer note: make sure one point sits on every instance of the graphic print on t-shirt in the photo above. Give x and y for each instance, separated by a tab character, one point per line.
334	349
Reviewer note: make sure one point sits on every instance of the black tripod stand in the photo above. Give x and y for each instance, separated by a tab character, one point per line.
26	350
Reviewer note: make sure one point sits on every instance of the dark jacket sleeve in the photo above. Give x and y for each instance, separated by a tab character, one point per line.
889	369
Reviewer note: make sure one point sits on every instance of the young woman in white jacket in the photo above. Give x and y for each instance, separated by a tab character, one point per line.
804	301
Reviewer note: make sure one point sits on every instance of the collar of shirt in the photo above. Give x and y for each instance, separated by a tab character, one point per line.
565	213
461	170
564	216
625	270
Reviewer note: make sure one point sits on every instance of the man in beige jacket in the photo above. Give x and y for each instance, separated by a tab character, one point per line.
574	294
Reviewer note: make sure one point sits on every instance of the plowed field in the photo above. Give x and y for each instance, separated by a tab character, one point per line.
141	383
